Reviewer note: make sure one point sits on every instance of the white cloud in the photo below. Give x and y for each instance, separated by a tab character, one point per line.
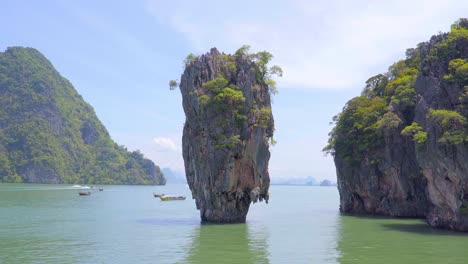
165	144
320	44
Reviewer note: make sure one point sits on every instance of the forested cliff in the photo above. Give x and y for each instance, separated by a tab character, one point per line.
49	134
400	149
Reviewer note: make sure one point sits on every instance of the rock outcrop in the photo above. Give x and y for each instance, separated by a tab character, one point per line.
400	149
226	132
49	134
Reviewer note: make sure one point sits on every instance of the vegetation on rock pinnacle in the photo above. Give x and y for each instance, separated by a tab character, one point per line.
229	126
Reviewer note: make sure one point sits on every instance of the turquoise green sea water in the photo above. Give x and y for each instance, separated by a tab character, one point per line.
125	224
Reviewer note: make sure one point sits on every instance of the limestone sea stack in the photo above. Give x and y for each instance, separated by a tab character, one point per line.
400	148
226	100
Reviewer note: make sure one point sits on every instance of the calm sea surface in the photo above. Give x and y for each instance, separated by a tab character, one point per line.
125	224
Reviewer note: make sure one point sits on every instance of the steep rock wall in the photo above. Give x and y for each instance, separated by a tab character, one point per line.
225	137
408	156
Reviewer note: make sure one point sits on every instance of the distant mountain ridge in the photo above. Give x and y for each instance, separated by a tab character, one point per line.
302	181
49	134
173	176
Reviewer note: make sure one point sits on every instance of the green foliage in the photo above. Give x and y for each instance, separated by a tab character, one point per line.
447	49
455	63
189	59
173	84
265	73
355	132
271	86
229	97
412	129
401	76
405	98
458	71
276	70
447	119
230	62
225	100
262	60
461	73
457	33
416	131
375	86
420	137
243	51
389	122
452	123
228	143
216	85
48	133
453	137
203	99
264	117
222	95
355	128
273	142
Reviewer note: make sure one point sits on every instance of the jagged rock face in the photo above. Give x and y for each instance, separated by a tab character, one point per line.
225	151
444	166
392	187
427	179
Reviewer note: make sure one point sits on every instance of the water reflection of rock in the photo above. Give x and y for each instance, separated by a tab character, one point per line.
233	243
384	240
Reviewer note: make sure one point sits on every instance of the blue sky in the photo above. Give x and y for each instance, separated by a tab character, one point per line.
120	55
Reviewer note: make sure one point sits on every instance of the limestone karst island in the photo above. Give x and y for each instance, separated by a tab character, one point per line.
328	132
229	124
400	147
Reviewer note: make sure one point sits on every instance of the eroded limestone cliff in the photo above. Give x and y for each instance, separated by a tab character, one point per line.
400	149
226	100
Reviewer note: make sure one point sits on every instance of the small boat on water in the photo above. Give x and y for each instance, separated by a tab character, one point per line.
157	195
171	198
84	193
101	189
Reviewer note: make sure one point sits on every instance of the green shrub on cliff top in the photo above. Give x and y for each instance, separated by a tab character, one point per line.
228	99
416	131
355	133
447	49
189	59
354	130
264	72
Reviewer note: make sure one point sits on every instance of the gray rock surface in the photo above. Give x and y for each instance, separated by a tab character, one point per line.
226	157
405	179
